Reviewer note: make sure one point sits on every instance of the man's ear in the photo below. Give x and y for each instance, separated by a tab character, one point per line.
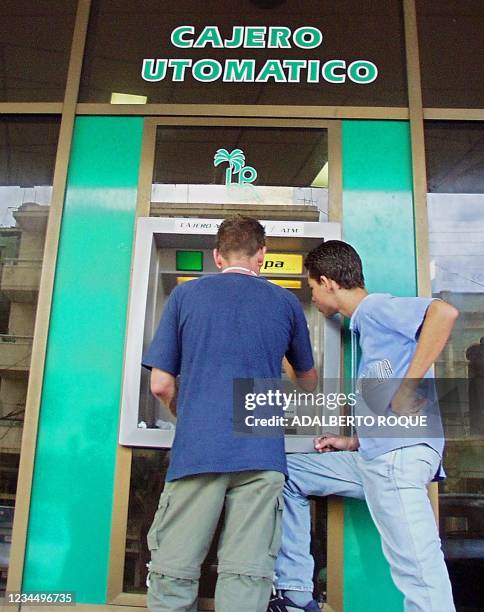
261	253
329	284
218	259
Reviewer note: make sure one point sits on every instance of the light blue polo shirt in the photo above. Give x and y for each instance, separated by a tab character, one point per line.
387	330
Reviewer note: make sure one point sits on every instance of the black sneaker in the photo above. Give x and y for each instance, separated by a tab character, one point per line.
279	603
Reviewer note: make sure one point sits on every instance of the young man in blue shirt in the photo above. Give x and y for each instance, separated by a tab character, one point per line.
222	327
399	338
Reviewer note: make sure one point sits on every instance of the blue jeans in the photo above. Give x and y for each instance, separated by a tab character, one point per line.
394	486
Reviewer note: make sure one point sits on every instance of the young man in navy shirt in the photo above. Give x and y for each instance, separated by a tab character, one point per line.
222	327
399	338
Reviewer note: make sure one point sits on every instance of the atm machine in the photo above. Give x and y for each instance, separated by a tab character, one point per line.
169	251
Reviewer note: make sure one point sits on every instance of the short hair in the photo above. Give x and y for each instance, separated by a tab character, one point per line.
240	234
338	261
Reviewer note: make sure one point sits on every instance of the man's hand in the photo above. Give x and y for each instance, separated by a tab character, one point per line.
163	387
328	443
406	402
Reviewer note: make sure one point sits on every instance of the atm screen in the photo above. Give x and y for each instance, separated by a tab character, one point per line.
189	261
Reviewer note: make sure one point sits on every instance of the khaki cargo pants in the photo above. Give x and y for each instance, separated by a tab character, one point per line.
183	528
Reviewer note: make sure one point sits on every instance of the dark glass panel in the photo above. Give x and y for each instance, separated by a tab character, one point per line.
35	44
455	156
450	42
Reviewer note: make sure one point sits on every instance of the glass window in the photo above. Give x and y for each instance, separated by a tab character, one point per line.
455	154
35	46
27	156
148	472
277	167
450	43
332	50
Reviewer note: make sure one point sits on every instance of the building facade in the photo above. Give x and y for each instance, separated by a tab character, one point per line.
366	114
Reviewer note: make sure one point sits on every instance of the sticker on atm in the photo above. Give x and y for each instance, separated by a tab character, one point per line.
282	263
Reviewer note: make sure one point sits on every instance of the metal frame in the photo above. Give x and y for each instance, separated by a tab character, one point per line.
419	174
309	112
143	258
242	110
31	108
289	115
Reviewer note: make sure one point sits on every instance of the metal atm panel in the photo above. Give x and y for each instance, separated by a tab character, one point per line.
144	421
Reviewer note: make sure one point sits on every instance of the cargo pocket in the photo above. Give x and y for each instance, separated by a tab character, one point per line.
153	534
277	532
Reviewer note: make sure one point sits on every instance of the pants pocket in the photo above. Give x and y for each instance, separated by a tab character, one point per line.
153	534
416	466
277	531
429	460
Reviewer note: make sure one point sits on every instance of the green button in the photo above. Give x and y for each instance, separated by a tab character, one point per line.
189	261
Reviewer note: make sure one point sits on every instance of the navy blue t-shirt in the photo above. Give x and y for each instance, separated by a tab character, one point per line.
213	330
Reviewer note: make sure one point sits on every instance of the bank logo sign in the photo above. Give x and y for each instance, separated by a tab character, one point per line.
247	70
282	263
236	166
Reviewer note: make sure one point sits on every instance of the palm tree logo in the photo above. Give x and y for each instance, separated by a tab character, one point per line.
236	161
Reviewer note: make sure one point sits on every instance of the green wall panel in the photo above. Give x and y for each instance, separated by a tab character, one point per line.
378	221
71	506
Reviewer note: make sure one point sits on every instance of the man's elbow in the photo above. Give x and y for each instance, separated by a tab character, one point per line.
162	390
445	310
308	380
453	313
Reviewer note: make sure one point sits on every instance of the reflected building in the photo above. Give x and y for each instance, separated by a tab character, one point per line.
21	264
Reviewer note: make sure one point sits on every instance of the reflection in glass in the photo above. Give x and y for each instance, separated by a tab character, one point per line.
291	168
27	155
456	226
148	471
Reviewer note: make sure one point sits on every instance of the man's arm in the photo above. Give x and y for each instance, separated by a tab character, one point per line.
299	354
435	331
163	387
307	380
